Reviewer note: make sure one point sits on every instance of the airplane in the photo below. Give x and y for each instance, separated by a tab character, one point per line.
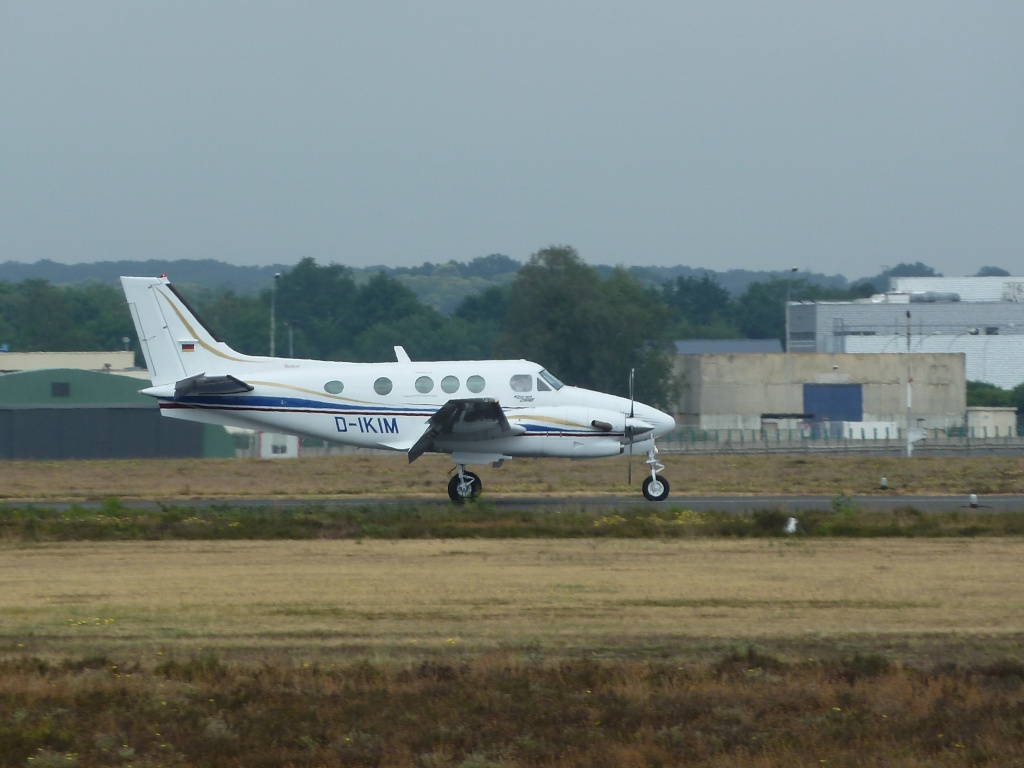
478	411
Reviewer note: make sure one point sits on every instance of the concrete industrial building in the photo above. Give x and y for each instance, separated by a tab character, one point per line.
980	317
859	396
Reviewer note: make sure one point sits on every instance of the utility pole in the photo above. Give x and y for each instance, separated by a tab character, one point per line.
789	362
910	409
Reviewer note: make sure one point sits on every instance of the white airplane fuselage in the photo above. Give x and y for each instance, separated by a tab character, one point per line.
292	396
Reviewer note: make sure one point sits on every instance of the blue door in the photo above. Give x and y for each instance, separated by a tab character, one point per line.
833	403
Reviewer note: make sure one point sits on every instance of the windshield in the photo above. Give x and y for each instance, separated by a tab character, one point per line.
555	383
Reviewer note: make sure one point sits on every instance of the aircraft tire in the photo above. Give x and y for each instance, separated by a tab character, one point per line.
655	488
475	487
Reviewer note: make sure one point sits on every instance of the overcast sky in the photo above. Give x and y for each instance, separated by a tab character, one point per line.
833	136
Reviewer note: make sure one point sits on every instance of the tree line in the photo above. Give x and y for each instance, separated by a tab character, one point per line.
588	326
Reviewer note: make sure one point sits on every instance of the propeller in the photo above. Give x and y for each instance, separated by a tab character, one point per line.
629	470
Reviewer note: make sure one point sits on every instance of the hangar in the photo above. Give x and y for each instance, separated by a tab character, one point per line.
820	395
64	413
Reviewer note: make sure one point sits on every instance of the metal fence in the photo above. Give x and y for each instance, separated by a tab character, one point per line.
876	441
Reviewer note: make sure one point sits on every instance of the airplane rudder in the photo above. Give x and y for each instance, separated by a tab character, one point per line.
151	326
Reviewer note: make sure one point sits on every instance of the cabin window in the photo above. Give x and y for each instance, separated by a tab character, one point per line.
382	386
475	384
450	384
424	384
521	382
334	387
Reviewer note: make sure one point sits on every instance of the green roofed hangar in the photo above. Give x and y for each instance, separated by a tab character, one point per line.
64	413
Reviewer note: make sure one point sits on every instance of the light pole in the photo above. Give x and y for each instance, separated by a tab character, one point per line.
789	287
789	363
273	301
291	337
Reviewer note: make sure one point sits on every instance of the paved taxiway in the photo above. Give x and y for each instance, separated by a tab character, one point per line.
880	503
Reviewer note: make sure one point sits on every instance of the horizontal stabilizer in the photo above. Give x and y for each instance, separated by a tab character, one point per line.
201	384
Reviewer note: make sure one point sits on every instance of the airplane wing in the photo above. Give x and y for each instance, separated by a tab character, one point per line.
473	418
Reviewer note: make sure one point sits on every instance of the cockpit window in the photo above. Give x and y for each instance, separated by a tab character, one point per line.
542	386
555	383
521	382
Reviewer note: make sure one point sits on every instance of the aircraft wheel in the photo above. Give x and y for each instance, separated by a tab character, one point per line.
460	490
656	488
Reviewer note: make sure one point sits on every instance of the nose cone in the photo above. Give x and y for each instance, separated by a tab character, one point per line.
662	422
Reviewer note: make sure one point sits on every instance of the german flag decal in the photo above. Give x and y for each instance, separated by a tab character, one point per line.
188	346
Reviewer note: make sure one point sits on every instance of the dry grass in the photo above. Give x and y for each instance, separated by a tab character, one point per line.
508	654
376	476
399	599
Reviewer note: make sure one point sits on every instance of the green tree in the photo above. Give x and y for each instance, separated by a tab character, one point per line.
760	311
982	394
991	272
101	313
321	305
588	332
240	321
698	308
478	321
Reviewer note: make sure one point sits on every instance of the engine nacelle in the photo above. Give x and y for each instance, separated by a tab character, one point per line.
596	448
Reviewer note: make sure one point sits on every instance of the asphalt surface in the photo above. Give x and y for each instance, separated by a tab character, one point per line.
738	504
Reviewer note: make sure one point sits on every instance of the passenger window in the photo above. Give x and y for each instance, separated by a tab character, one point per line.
475	384
542	386
521	382
334	387
449	384
424	384
382	386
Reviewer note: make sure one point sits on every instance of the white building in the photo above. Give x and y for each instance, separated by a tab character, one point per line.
981	317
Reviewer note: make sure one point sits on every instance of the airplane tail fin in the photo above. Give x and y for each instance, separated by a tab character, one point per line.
175	342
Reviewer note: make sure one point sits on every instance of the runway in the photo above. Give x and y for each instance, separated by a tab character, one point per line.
737	504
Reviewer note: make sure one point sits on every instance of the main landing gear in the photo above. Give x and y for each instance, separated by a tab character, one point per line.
655	487
464	485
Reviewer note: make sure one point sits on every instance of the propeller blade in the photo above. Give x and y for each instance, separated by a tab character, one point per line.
632	374
629	465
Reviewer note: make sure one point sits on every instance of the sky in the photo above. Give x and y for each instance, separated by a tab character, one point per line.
836	137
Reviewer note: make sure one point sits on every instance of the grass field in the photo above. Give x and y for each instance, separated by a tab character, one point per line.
513	653
621	645
394	600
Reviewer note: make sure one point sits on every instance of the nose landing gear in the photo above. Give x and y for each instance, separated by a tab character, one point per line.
655	487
